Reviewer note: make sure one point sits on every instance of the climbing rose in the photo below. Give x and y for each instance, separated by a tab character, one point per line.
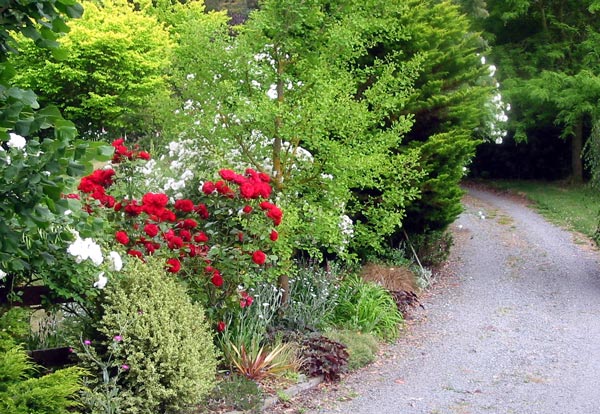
274	235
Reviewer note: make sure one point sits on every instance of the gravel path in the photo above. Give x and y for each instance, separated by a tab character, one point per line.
513	328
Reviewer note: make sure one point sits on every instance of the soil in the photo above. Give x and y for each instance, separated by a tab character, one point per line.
512	325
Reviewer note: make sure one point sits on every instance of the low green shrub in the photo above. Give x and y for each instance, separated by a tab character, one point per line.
362	347
22	391
367	307
165	344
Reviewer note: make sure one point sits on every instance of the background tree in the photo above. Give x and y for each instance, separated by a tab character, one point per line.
548	62
114	73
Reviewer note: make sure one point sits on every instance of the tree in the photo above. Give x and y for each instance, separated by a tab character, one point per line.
543	48
115	70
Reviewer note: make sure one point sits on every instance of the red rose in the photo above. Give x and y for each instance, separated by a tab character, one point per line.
151	229
274	235
240	236
174	265
208	187
227	175
259	257
264	177
122	237
201	237
217	279
189	224
248	190
247	209
221	326
144	155
135	253
186	206
185	235
202	211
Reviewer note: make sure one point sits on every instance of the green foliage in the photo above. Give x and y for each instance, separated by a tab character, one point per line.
166	341
432	248
115	69
281	97
323	356
446	101
41	21
362	347
367	307
21	390
542	48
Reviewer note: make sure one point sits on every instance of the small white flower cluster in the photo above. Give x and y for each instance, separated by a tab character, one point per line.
84	249
2	274
497	108
15	141
481	215
347	229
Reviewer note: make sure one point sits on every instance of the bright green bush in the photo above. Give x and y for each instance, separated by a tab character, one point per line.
21	392
362	347
164	341
367	307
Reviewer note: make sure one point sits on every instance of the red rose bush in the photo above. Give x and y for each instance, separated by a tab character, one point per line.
216	242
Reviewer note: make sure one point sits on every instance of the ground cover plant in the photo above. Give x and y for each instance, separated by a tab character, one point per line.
573	206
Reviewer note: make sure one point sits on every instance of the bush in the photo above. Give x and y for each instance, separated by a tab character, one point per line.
164	339
20	391
367	307
361	347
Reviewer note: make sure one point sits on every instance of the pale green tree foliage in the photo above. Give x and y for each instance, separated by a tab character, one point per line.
289	95
548	59
114	72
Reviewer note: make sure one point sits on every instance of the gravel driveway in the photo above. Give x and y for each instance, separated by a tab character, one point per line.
514	327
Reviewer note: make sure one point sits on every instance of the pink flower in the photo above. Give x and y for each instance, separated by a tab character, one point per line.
87	342
125	367
117	338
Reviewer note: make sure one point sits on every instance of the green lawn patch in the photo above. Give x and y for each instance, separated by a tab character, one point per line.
575	207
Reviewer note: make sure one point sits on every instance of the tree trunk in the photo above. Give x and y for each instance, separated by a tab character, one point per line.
576	149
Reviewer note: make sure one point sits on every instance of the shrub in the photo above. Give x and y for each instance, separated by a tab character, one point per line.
165	340
361	347
323	356
20	391
367	307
